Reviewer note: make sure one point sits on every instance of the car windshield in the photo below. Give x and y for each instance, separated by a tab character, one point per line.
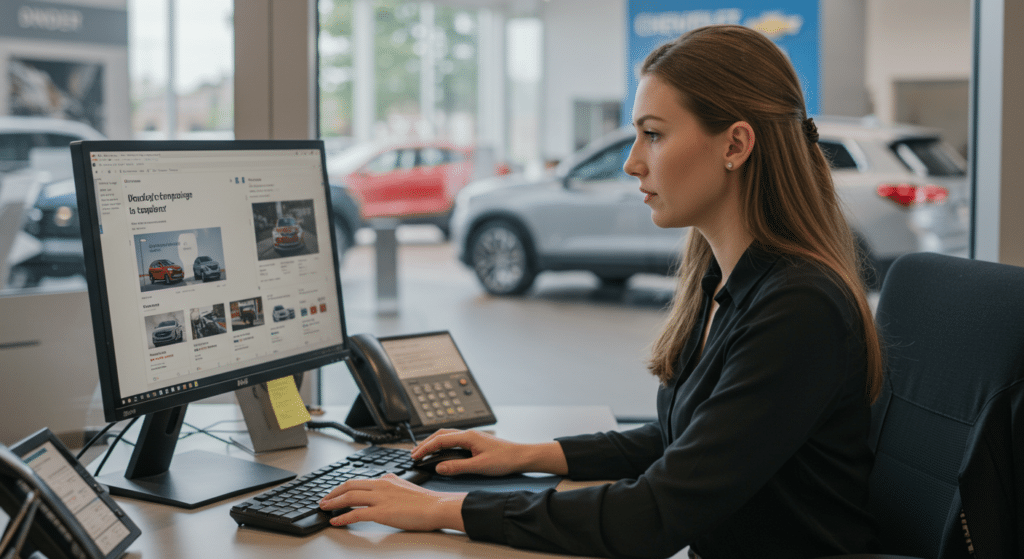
286	222
166	323
930	156
203	259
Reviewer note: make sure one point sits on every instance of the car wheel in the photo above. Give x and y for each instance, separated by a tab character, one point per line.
152	279
167	278
199	276
500	257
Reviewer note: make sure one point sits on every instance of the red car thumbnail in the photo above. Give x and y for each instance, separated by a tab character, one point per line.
288	234
166	271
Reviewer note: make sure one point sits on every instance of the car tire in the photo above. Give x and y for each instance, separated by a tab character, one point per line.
500	254
199	276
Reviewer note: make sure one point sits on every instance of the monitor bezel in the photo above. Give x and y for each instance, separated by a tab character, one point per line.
113	407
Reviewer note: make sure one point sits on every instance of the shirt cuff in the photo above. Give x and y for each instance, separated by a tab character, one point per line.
483	515
579	457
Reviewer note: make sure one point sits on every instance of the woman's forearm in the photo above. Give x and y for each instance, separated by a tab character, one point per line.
543	457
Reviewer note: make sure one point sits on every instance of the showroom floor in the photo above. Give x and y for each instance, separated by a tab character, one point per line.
567	341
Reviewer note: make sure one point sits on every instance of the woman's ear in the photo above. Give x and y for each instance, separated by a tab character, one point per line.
741	142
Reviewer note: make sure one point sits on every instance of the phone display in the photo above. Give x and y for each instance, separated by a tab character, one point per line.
76	516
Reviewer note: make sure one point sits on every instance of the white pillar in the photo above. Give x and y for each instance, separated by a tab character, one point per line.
492	111
364	102
996	166
171	95
427	126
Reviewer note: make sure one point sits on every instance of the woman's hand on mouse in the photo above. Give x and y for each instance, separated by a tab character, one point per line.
492	456
395	502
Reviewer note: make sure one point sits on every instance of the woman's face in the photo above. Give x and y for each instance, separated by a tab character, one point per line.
682	168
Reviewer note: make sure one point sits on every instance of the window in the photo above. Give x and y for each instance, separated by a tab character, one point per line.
930	156
432	157
837	155
383	163
606	165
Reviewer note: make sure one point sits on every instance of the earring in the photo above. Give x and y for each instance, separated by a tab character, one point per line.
728	165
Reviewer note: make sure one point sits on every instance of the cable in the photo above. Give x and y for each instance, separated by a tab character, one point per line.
211	435
110	449
408	429
355	434
93	440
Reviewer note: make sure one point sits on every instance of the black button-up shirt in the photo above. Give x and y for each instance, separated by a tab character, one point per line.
760	448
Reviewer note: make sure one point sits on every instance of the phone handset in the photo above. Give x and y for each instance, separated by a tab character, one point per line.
378	381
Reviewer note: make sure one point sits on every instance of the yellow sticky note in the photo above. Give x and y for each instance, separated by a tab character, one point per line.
287	403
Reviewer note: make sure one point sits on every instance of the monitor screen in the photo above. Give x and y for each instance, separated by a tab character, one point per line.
211	266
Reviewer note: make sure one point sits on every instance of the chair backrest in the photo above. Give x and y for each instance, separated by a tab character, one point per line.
953	337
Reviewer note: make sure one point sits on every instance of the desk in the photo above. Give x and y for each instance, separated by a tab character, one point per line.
209	532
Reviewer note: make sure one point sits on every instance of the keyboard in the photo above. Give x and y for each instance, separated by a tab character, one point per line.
294	507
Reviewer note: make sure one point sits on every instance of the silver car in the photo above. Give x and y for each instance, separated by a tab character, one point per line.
904	191
167	332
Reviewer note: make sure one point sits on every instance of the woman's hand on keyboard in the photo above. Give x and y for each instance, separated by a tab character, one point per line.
492	456
395	502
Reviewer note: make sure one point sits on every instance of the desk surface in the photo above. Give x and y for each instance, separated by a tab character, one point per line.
210	532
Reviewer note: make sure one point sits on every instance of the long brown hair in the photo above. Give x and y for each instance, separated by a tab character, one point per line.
729	73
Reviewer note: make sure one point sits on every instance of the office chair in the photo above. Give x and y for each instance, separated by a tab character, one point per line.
948	429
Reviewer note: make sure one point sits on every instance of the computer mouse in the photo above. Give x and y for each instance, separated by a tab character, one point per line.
429	462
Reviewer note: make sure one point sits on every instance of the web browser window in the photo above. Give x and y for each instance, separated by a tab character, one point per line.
213	261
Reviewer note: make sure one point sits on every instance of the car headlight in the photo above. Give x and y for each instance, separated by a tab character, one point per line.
62	217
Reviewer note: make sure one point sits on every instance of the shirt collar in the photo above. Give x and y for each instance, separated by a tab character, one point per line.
752	266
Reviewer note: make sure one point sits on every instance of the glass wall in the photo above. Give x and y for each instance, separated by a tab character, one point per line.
505	87
181	55
138	70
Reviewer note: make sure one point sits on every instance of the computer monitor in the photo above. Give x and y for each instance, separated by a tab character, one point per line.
211	267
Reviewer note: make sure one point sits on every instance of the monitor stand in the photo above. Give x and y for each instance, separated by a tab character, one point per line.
196	478
264	433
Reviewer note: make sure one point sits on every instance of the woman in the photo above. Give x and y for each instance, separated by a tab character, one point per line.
768	361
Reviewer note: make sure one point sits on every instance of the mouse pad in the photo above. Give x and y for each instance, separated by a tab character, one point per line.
517	482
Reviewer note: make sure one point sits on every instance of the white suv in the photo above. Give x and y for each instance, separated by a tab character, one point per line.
904	190
19	135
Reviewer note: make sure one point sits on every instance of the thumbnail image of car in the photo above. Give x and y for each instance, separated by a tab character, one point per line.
205	269
247	313
288	235
281	313
209	324
168	332
903	190
166	271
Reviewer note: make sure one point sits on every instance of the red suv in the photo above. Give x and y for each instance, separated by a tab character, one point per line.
415	183
165	270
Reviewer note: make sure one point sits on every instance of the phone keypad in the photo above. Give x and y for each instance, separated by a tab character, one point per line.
450	398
